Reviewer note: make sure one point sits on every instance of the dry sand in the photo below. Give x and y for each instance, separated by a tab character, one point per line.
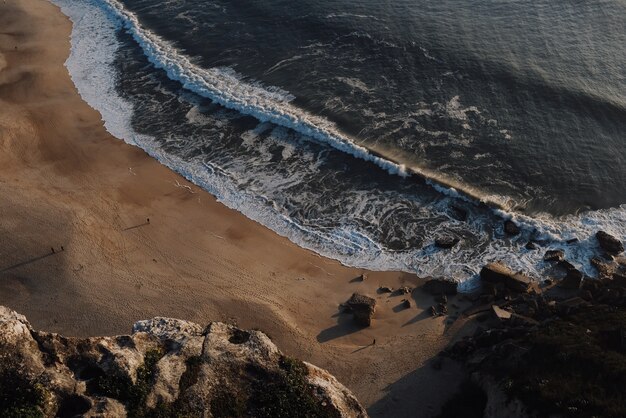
64	181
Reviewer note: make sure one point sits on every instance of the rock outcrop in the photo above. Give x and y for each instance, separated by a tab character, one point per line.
440	287
166	367
609	243
363	308
497	272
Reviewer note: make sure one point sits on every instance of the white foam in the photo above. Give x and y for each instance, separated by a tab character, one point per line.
90	65
224	86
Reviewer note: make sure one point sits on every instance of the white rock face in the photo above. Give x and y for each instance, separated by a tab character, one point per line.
170	365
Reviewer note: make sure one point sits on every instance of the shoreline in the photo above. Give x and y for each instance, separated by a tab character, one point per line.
67	183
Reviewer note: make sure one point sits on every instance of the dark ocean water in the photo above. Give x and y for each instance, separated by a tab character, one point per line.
307	115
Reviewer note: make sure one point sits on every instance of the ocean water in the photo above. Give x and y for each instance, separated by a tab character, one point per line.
364	130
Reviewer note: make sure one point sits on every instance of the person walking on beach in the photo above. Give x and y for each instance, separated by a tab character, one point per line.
374	342
52	248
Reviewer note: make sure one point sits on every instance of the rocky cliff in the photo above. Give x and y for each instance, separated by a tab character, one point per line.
165	368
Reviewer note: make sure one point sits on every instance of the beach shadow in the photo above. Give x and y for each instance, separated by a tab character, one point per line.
358	279
425	314
420	393
365	347
345	326
32	260
399	307
136	226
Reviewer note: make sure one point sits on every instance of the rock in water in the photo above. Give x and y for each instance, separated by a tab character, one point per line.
531	245
166	367
511	228
554	255
440	286
363	308
609	243
446	241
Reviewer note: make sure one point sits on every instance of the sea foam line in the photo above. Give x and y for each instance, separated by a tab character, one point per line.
225	88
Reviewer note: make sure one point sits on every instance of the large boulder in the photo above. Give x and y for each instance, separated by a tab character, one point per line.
498	272
440	287
363	308
166	367
609	243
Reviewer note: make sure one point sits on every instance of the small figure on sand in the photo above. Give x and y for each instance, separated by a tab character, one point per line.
52	248
147	220
62	249
374	342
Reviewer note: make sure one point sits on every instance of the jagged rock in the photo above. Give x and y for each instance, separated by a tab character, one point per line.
433	311
440	286
604	269
446	241
442	308
609	243
441	299
573	280
166	367
405	290
406	304
363	308
500	273
385	289
554	255
511	228
531	245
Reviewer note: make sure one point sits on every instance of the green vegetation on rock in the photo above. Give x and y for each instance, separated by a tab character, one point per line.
19	396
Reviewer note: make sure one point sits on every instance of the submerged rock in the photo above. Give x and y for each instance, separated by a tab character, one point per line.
531	245
166	367
363	308
554	255
609	243
511	228
446	241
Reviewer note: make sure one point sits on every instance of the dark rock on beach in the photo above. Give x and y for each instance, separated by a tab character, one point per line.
499	273
440	286
363	308
609	243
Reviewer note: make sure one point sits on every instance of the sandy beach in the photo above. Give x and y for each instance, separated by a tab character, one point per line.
66	183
